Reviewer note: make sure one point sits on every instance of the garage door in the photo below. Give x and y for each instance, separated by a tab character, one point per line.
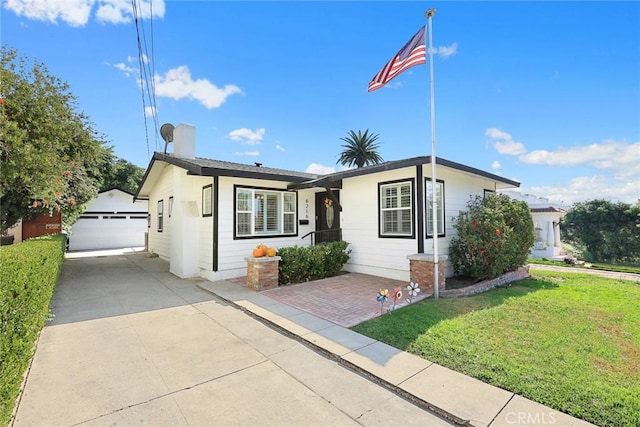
108	231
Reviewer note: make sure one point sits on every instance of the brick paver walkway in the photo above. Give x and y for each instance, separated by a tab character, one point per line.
345	300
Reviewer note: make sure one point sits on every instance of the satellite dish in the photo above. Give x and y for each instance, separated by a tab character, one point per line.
166	131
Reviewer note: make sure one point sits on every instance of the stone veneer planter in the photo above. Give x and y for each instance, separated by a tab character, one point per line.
262	273
421	268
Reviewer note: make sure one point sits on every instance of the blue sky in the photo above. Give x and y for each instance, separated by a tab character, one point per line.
546	93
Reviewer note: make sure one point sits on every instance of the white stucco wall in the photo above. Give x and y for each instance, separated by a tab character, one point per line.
232	252
159	241
190	249
387	257
187	237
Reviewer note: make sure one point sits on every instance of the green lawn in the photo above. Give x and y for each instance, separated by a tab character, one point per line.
568	341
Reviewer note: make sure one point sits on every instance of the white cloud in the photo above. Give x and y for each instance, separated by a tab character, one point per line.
73	12
76	13
617	177
246	153
126	69
496	166
504	143
319	169
446	51
606	155
247	136
496	133
280	147
178	84
582	188
150	111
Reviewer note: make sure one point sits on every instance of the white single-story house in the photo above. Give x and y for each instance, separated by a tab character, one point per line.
112	220
207	215
546	219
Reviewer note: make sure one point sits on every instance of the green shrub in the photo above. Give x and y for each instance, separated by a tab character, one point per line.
28	277
300	264
495	235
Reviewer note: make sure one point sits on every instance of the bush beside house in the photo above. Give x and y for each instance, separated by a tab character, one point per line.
495	236
29	274
301	264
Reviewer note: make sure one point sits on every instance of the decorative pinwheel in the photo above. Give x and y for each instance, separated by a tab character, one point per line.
413	290
397	294
382	296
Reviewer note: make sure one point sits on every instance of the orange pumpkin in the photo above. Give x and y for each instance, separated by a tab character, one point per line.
258	252
263	247
271	252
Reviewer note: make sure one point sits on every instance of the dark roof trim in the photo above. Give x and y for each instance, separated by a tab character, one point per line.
208	167
116	188
243	171
144	178
335	179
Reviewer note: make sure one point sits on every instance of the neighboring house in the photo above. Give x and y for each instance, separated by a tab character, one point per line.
112	220
207	215
546	220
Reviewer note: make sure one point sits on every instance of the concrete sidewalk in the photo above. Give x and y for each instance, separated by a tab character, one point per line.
131	344
458	398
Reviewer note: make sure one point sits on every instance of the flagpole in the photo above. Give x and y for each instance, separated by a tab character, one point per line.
434	205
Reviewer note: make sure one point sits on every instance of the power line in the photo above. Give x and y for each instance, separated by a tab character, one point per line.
150	81
146	74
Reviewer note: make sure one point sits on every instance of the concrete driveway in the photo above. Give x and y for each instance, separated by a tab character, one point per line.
132	344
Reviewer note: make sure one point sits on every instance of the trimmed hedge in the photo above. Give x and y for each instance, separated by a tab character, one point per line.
28	277
301	264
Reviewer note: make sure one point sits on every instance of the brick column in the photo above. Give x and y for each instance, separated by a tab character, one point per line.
262	273
421	271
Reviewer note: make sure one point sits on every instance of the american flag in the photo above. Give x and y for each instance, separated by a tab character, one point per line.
413	53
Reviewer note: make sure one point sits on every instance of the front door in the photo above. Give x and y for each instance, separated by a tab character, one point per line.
328	217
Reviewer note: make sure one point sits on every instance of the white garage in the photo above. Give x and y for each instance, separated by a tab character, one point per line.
111	221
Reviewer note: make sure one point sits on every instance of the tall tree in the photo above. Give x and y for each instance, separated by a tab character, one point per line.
604	231
122	174
360	149
51	157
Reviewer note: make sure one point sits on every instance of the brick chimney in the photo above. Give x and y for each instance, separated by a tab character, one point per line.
184	141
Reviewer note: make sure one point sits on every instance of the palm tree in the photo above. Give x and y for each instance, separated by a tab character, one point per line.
360	149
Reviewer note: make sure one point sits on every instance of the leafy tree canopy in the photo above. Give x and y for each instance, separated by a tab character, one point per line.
360	149
604	231
51	157
120	173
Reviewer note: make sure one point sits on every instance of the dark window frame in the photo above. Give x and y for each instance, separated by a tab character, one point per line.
411	182
160	215
207	212
428	209
281	212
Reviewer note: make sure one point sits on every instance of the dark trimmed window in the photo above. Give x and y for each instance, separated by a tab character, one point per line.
160	214
265	212
207	192
396	209
439	207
